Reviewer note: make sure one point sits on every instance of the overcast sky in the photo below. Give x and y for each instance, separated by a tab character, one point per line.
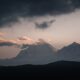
55	21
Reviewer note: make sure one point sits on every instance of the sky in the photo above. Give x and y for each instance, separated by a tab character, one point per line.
27	21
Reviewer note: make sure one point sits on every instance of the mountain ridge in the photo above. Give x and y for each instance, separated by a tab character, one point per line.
60	68
44	53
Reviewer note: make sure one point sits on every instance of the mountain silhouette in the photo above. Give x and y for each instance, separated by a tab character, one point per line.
60	68
39	53
43	53
70	53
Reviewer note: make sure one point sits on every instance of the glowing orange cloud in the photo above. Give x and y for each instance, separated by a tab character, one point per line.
4	40
18	41
22	40
25	40
13	41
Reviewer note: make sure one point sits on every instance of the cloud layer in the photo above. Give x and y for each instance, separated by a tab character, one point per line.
11	10
6	43
16	42
44	25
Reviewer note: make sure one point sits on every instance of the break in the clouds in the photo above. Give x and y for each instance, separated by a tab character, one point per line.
12	10
44	25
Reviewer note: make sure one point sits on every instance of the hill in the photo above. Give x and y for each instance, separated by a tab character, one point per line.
61	68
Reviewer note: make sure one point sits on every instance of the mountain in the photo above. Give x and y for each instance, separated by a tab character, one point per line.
61	68
70	53
39	53
43	53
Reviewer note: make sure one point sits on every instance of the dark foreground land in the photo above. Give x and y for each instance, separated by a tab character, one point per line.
61	68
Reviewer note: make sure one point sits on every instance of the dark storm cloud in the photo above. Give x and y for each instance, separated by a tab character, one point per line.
6	44
44	25
11	10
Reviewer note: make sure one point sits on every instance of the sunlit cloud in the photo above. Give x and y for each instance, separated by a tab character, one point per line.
6	43
17	41
25	40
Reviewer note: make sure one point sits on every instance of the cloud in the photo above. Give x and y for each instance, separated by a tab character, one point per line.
42	41
9	42
38	42
44	25
16	42
25	40
6	43
12	10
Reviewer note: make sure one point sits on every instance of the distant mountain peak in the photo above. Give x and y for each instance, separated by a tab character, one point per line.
72	45
75	43
71	52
